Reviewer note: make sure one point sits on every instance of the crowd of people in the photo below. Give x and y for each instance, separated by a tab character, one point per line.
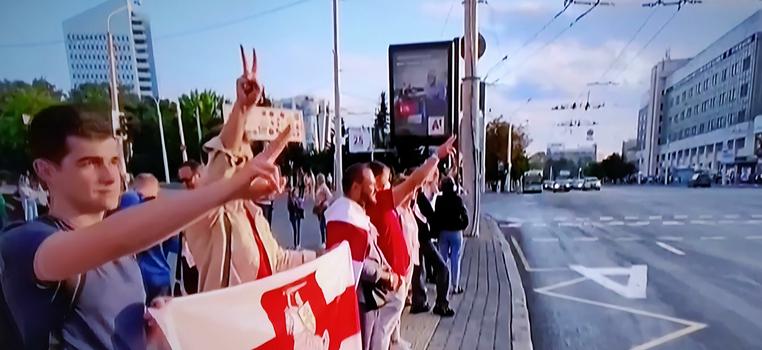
82	275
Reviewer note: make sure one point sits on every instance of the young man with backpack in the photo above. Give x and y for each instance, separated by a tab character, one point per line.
71	278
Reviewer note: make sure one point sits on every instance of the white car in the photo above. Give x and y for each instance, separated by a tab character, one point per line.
592	183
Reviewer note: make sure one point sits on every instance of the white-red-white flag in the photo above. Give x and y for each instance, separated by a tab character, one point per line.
313	306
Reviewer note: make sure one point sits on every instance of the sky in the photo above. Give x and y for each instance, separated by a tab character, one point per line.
196	47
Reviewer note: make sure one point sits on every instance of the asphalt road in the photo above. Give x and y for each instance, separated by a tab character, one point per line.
641	267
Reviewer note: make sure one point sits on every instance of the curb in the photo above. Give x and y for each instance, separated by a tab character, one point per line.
521	331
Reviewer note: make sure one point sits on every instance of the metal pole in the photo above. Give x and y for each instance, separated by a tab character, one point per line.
337	166
468	136
183	148
198	125
163	146
510	154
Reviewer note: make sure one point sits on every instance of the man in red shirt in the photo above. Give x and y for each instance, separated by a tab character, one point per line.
384	217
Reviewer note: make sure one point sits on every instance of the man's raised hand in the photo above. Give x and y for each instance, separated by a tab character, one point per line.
447	148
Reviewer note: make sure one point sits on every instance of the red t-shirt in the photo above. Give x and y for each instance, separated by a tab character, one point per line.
391	240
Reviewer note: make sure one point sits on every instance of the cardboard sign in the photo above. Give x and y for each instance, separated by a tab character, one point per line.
265	123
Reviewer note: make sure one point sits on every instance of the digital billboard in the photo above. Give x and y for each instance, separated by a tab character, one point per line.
421	84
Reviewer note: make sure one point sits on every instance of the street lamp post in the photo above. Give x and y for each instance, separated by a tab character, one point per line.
183	148
161	135
337	166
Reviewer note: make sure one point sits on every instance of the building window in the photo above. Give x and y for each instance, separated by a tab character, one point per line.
677	100
706	84
730	144
698	88
701	150
696	109
746	63
732	96
714	79
734	69
744	89
690	91
741	116
709	148
722	98
684	93
740	143
718	147
693	151
693	130
688	113
712	101
701	128
724	74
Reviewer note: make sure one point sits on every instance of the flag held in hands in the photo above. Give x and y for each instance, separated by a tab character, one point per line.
313	306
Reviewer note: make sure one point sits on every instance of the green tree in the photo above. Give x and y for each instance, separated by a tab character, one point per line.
18	98
381	124
208	105
497	150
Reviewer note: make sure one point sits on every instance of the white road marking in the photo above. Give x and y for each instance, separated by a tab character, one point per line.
670	238
655	217
585	239
705	216
732	216
627	239
670	248
545	239
606	218
713	238
681	217
523	258
691	326
725	222
630	217
616	223
540	224
561	219
753	237
753	222
638	223
511	225
671	223
569	224
636	281
701	222
756	216
583	219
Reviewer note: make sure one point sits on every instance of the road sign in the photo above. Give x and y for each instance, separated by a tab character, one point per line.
360	140
727	156
636	282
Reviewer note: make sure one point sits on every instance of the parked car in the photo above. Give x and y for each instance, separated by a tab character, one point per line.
592	183
547	185
578	184
700	179
562	185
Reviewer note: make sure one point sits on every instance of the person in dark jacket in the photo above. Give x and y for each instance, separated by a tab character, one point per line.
429	254
451	219
296	214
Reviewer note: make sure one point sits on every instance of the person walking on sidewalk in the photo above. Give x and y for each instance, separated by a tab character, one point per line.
451	219
322	198
295	215
429	254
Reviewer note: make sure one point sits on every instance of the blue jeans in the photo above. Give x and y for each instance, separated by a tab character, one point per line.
451	247
30	209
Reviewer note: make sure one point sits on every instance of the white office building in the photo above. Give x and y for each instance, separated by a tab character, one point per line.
315	118
699	114
87	47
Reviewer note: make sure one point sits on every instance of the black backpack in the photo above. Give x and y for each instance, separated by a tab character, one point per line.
10	336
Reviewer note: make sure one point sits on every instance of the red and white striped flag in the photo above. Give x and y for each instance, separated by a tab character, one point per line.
313	306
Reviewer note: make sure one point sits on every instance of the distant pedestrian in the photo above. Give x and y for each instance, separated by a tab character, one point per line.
322	200
451	219
295	215
266	204
28	200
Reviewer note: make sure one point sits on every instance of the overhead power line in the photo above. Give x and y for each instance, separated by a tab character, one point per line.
43	43
447	19
648	43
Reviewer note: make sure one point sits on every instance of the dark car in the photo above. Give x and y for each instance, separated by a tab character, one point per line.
700	179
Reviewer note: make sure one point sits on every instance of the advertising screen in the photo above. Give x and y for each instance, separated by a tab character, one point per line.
421	84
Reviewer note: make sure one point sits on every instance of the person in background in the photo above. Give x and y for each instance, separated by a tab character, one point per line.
28	201
348	221
186	273
384	217
309	185
266	205
322	199
410	231
3	212
234	244
429	254
300	181
189	173
295	215
154	264
451	219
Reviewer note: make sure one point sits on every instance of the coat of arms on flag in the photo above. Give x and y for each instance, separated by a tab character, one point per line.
313	306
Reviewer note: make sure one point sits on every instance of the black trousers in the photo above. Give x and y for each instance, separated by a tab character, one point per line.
430	254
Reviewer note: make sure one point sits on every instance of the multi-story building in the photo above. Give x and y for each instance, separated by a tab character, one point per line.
629	151
706	108
87	47
315	118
